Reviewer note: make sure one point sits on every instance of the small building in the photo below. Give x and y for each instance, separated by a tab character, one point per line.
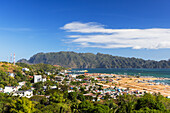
70	91
65	71
25	69
78	79
44	87
168	97
37	78
53	87
9	89
59	78
32	88
27	93
61	73
21	83
47	73
72	75
11	75
44	79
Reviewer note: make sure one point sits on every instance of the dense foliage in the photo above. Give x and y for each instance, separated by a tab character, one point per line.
7	68
41	67
89	60
63	102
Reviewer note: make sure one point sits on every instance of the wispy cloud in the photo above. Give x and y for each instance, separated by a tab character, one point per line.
96	35
15	29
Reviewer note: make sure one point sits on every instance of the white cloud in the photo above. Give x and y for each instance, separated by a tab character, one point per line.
154	38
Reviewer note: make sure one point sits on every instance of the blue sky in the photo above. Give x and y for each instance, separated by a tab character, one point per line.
129	28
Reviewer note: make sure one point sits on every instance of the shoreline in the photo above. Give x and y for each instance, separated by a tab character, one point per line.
151	77
143	83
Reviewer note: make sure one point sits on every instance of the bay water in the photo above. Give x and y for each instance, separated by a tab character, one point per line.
160	73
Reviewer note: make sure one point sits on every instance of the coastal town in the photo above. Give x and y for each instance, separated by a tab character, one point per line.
53	88
94	85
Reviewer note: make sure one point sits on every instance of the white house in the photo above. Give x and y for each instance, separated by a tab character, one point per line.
11	75
44	79
47	73
59	78
25	69
65	71
21	83
53	87
27	93
61	73
44	87
9	89
72	75
78	79
32	88
37	78
70	91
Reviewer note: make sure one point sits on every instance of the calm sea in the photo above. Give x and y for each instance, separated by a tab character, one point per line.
142	72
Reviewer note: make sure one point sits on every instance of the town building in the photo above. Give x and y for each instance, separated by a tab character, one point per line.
11	75
37	78
27	93
44	79
25	69
9	89
59	78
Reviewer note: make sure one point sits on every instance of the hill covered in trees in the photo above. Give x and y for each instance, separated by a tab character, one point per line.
90	60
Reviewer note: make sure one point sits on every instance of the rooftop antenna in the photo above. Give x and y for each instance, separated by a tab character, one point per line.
14	58
7	59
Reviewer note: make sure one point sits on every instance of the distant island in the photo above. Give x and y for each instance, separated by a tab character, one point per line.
90	60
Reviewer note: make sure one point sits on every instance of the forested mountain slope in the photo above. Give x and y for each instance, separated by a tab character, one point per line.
89	60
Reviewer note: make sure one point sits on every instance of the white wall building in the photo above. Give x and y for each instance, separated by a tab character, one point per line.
21	83
59	78
44	79
9	89
53	87
11	75
37	78
61	73
72	75
28	93
47	73
25	69
65	71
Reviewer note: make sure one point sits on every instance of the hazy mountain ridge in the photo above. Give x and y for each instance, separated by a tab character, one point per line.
90	60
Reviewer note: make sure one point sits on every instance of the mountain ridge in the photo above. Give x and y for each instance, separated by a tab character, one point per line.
90	60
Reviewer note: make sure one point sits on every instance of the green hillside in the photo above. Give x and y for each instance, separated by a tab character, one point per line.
89	60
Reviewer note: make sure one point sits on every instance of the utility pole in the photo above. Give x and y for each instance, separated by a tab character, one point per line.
7	59
14	58
11	58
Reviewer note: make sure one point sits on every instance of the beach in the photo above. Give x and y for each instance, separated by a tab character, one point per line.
142	84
